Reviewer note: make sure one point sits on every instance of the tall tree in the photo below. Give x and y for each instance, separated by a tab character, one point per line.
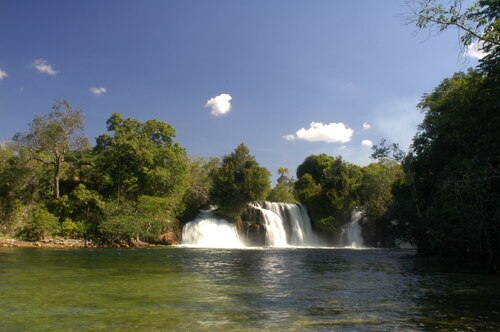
454	169
328	186
239	180
53	137
141	158
284	190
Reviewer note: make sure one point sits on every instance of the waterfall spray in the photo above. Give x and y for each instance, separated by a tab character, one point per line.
351	233
209	232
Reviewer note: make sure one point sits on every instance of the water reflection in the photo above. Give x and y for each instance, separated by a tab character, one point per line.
451	300
272	289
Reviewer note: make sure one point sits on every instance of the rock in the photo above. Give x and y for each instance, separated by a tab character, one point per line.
168	238
255	234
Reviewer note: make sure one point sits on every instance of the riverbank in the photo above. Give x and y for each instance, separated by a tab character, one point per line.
71	243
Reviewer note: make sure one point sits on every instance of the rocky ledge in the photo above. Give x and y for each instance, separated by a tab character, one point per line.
47	243
80	243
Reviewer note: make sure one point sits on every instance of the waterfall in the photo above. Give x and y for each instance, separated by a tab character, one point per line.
351	233
287	224
275	230
209	232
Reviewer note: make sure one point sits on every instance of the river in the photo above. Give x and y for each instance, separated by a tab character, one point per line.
247	289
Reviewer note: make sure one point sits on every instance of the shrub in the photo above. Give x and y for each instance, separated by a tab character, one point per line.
41	224
71	229
143	220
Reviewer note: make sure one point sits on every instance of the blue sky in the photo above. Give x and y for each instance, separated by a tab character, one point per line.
284	64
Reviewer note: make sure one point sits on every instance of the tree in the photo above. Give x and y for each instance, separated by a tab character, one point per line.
375	190
384	150
83	206
146	219
315	165
456	164
53	137
283	175
199	186
140	159
284	189
477	24
238	181
328	186
454	170
376	198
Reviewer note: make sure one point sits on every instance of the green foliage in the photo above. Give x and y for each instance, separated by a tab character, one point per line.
71	229
239	180
284	191
478	23
307	189
199	186
84	206
328	186
448	200
376	198
145	220
375	190
41	224
21	183
52	138
315	165
329	225
140	159
475	23
455	164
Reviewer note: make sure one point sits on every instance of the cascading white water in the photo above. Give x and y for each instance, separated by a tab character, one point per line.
286	224
281	218
209	232
352	231
275	230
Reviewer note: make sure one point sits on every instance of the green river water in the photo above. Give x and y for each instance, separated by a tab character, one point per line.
188	289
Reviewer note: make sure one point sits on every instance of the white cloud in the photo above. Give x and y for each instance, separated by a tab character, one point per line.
319	132
367	142
97	90
3	74
220	104
366	125
44	67
474	50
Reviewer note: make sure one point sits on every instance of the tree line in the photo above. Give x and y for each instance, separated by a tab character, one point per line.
448	202
137	182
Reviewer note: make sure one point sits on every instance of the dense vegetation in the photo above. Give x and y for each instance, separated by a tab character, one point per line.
449	199
137	183
239	180
332	189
